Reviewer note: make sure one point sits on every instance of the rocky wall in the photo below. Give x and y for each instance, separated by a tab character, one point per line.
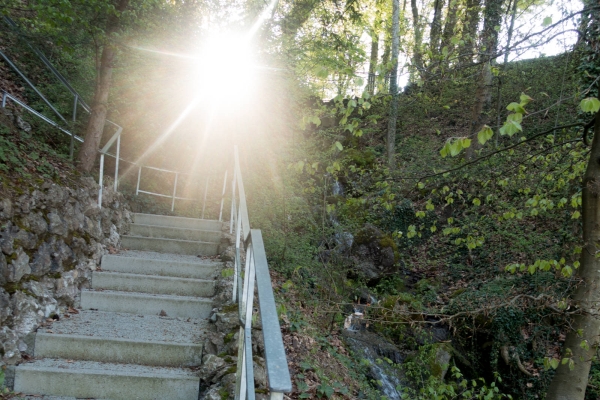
51	239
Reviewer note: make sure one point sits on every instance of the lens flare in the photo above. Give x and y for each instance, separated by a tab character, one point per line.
227	69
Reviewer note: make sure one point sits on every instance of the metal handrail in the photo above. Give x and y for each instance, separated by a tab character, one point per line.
256	271
78	100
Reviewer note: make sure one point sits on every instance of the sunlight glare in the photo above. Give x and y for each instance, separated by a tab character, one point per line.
227	69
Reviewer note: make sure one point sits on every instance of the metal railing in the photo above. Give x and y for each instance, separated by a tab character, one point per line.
255	271
78	100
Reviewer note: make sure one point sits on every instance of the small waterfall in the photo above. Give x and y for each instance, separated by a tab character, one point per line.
372	347
343	240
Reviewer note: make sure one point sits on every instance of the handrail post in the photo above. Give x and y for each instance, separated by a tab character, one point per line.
223	197
72	145
100	179
233	202
4	94
117	162
205	191
174	192
137	188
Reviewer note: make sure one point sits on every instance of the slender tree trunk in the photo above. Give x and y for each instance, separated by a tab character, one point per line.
417	54
489	47
570	384
583	339
373	62
513	15
450	25
469	33
436	26
391	136
298	15
385	59
93	134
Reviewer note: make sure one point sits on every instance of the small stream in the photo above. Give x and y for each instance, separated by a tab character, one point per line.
367	345
373	348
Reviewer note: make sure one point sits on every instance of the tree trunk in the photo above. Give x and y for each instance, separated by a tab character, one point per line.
391	136
299	14
469	33
436	26
450	26
373	62
570	384
489	47
93	134
385	59
513	15
417	55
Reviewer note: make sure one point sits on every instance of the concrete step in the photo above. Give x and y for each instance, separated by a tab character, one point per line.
152	284
116	350
176	246
175	233
145	304
160	266
89	379
177	222
126	326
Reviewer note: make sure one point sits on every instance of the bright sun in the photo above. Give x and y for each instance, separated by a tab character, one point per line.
227	68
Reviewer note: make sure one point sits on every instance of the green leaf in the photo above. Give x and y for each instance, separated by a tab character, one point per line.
516	107
485	134
465	143
445	150
576	215
547	21
455	148
316	120
476	202
510	127
591	105
516	117
525	99
339	146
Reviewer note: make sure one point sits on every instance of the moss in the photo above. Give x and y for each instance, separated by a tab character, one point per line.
11	287
228	359
56	275
230	308
261	391
228	338
231	370
224	394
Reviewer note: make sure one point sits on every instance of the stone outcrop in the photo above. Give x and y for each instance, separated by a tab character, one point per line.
51	238
373	253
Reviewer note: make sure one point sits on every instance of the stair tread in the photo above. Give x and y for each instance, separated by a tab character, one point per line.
96	367
155	277
110	325
169	257
161	227
174	217
170	240
147	295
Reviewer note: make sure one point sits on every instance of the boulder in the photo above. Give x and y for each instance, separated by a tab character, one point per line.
19	267
373	254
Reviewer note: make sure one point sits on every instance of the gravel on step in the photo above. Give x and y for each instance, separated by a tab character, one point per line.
151	255
130	326
121	369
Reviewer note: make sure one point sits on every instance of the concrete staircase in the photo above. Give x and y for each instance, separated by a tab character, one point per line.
141	324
